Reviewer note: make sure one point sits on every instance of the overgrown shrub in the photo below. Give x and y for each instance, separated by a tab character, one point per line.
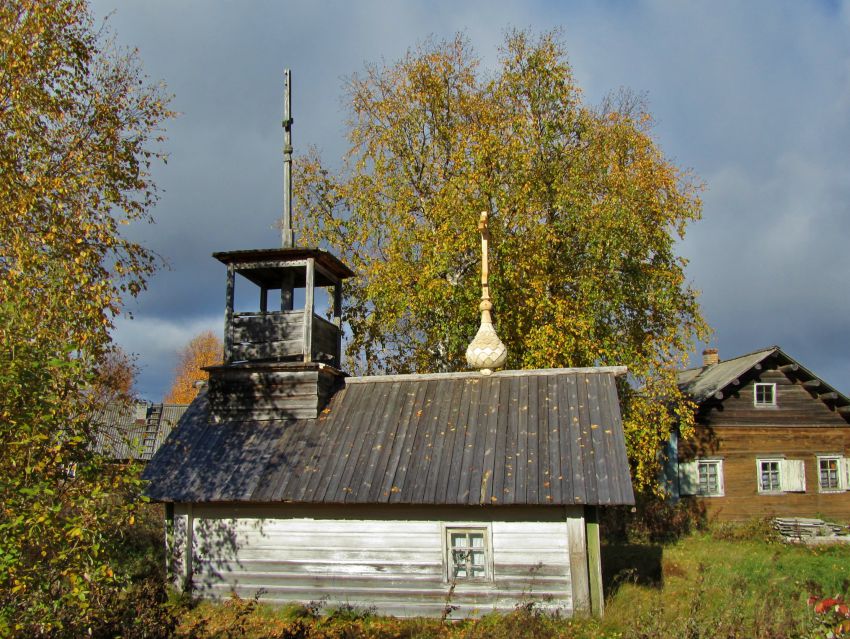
651	520
756	529
145	608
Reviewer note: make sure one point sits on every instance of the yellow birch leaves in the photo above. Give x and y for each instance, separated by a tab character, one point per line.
79	128
585	212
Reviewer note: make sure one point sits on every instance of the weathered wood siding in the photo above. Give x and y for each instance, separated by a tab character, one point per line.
325	343
268	391
800	427
795	406
391	558
268	335
280	334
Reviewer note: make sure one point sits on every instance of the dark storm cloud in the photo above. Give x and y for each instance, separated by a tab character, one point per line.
754	97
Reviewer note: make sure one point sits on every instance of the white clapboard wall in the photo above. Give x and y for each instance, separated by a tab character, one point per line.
388	558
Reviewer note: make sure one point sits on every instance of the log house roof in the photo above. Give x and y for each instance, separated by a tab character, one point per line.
134	431
711	383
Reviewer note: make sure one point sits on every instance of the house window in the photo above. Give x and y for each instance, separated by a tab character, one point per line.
769	476
468	554
703	477
708	473
781	476
765	395
833	473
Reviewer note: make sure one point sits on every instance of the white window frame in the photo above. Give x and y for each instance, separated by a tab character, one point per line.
718	463
842	471
791	475
769	460
689	483
772	387
475	528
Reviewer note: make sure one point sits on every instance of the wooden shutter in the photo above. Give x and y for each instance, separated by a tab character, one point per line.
844	473
688	478
792	475
721	482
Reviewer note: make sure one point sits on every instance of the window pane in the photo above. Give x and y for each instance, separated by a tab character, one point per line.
769	475
764	394
709	473
458	540
829	473
467	553
459	562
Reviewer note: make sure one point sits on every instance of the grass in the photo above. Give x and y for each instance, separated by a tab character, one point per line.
719	584
725	582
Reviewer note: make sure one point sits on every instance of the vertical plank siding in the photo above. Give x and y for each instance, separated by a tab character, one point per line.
389	558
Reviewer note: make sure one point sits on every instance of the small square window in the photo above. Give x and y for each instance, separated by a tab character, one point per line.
467	552
765	395
769	479
828	473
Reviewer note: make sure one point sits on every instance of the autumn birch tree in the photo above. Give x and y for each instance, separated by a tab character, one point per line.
205	349
79	128
584	211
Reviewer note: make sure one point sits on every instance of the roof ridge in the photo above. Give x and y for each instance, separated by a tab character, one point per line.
732	359
540	372
758	350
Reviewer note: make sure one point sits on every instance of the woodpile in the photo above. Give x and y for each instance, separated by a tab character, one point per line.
807	528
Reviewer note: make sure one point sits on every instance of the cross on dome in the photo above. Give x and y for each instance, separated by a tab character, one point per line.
486	351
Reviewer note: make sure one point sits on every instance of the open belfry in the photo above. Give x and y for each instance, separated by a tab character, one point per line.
279	361
289	480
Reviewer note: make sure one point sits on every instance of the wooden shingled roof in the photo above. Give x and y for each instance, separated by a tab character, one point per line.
134	431
516	437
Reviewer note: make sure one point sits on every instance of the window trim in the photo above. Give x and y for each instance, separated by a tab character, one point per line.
721	491
772	386
840	488
791	475
766	460
687	476
467	527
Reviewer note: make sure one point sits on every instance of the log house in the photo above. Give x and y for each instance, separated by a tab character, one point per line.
772	439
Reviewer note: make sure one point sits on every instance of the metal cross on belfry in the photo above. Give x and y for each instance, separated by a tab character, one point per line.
287	236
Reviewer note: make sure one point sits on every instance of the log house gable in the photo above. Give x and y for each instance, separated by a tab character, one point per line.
764	380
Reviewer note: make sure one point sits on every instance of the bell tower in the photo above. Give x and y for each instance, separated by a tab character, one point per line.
284	362
288	334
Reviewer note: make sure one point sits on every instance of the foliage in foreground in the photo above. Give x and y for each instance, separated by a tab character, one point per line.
78	127
832	615
584	211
